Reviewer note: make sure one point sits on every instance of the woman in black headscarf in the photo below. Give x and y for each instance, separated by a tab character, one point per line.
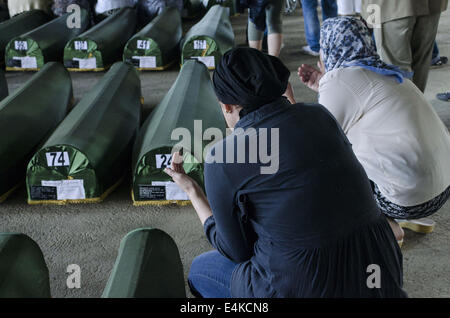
295	220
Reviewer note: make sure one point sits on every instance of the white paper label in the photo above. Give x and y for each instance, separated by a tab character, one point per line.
146	61
163	161
27	61
21	45
207	60
67	189
200	44
58	159
173	191
87	64
81	45
143	44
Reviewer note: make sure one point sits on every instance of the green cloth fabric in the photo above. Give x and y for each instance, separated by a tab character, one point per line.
18	25
45	43
191	98
104	42
148	266
159	39
93	144
3	86
27	117
23	272
212	36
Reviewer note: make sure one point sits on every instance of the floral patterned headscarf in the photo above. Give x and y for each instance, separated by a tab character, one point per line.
346	41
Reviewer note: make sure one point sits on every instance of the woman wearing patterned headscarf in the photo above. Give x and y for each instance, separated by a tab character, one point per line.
302	224
396	134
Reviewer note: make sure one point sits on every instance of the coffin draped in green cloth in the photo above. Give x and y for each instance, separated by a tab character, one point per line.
210	38
192	9
156	46
207	4
192	106
27	117
102	45
30	51
18	25
90	151
148	266
23	272
3	86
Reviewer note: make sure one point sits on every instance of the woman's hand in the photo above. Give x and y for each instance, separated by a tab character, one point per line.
289	94
179	176
310	76
188	185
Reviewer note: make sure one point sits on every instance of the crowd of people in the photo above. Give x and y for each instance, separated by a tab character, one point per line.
371	156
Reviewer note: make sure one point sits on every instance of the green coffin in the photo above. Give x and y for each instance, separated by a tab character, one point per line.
156	46
23	272
191	98
3	86
148	266
32	50
102	45
192	9
18	25
27	117
90	151
210	38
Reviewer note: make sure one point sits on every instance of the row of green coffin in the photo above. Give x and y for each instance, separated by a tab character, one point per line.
148	265
82	157
155	47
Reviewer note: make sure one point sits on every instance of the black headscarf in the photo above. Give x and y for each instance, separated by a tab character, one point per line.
249	78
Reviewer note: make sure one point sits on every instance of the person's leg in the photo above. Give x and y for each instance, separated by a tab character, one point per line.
393	41
329	9
312	24
210	275
422	42
274	27
435	53
255	36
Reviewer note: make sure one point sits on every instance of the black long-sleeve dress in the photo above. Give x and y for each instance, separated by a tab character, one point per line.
312	229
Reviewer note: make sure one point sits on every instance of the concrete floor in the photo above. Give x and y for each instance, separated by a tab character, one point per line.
89	235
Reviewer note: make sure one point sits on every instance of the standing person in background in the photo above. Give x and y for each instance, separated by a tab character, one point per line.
264	14
59	7
18	6
349	7
407	33
312	24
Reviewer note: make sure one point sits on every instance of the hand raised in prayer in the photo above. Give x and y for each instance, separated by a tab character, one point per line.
310	76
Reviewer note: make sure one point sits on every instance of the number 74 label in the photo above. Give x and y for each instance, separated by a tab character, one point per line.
58	159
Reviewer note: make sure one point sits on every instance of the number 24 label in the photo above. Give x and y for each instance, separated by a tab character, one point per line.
163	161
58	159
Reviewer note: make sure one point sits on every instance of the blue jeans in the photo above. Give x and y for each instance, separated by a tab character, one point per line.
210	275
435	52
312	24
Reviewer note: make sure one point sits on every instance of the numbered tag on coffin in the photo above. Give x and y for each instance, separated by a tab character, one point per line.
163	161
57	159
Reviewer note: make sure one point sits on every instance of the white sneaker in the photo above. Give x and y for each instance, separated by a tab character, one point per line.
307	50
423	226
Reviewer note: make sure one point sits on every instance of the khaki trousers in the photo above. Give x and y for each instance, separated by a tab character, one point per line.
408	43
